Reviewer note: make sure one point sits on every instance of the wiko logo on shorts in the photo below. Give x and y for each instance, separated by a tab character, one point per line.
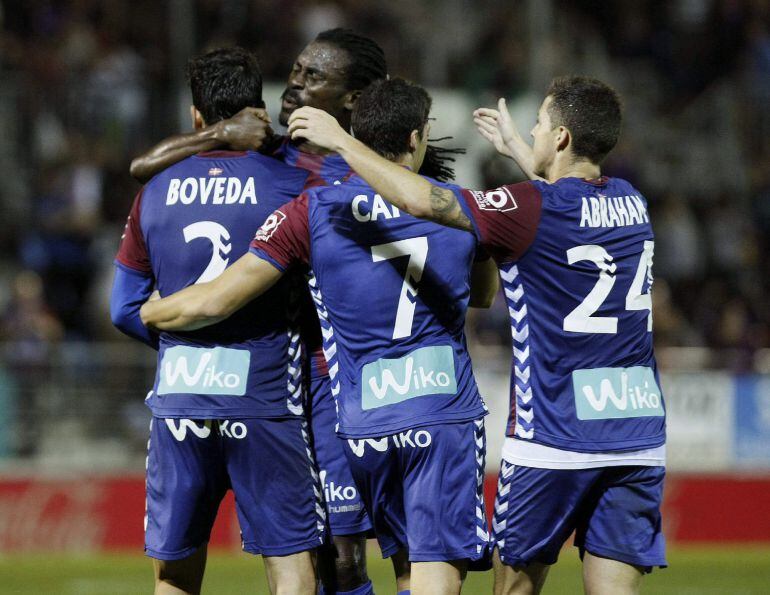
611	393
408	439
199	370
424	371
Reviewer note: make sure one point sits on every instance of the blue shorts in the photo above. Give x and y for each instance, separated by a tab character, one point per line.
423	489
614	511
267	462
344	507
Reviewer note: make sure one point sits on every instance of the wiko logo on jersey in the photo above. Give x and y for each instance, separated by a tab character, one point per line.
269	226
611	393
205	371
424	371
500	199
408	439
217	191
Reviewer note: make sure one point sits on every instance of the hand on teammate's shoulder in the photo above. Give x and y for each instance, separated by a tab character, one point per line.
247	130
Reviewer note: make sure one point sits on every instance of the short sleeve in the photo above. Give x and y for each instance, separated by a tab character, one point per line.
505	218
284	238
132	252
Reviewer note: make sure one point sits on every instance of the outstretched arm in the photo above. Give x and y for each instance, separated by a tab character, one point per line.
498	128
396	184
205	304
246	130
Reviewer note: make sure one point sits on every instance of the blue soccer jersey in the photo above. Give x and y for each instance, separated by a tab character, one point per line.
186	226
575	259
392	293
323	170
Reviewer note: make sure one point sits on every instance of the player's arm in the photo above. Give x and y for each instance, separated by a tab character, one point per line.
484	283
246	130
130	289
498	128
396	184
205	304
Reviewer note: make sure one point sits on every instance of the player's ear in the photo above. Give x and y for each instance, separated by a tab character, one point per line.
351	98
414	140
197	119
563	138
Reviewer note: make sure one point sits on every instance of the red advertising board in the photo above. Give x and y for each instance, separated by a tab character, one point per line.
106	513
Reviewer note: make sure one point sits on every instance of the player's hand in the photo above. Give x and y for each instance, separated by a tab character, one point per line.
155	295
246	130
316	126
497	127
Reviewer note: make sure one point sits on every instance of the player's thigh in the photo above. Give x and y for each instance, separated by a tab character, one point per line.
438	578
444	466
536	510
625	522
344	506
186	482
377	474
174	577
293	574
522	580
275	484
602	576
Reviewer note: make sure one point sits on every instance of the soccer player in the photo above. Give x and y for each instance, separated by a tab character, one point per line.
585	446
227	401
328	74
391	293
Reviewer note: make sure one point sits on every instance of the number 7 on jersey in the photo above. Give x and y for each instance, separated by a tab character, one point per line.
417	251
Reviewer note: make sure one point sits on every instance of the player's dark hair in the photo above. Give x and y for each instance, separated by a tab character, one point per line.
386	113
367	65
223	82
367	60
591	111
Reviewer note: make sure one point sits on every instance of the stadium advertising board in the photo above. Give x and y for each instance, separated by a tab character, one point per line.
752	421
700	410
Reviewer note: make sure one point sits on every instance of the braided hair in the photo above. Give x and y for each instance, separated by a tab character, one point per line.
367	60
437	159
368	64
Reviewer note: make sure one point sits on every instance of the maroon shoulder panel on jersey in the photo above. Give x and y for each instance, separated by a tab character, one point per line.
133	251
506	217
285	236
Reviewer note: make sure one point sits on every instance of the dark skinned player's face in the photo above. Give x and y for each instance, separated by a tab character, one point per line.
318	80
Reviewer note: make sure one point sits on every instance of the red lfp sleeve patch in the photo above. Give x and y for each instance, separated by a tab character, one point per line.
500	199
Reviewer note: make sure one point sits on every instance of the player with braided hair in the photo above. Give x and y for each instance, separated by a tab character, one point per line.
328	74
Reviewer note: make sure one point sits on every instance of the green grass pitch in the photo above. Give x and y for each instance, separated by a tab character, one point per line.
721	570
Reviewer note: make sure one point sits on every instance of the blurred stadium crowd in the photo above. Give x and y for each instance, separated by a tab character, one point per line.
88	84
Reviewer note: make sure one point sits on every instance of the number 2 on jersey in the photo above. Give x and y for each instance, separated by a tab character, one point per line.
417	251
220	245
582	319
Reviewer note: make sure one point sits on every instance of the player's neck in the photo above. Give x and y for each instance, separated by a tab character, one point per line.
407	160
585	170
